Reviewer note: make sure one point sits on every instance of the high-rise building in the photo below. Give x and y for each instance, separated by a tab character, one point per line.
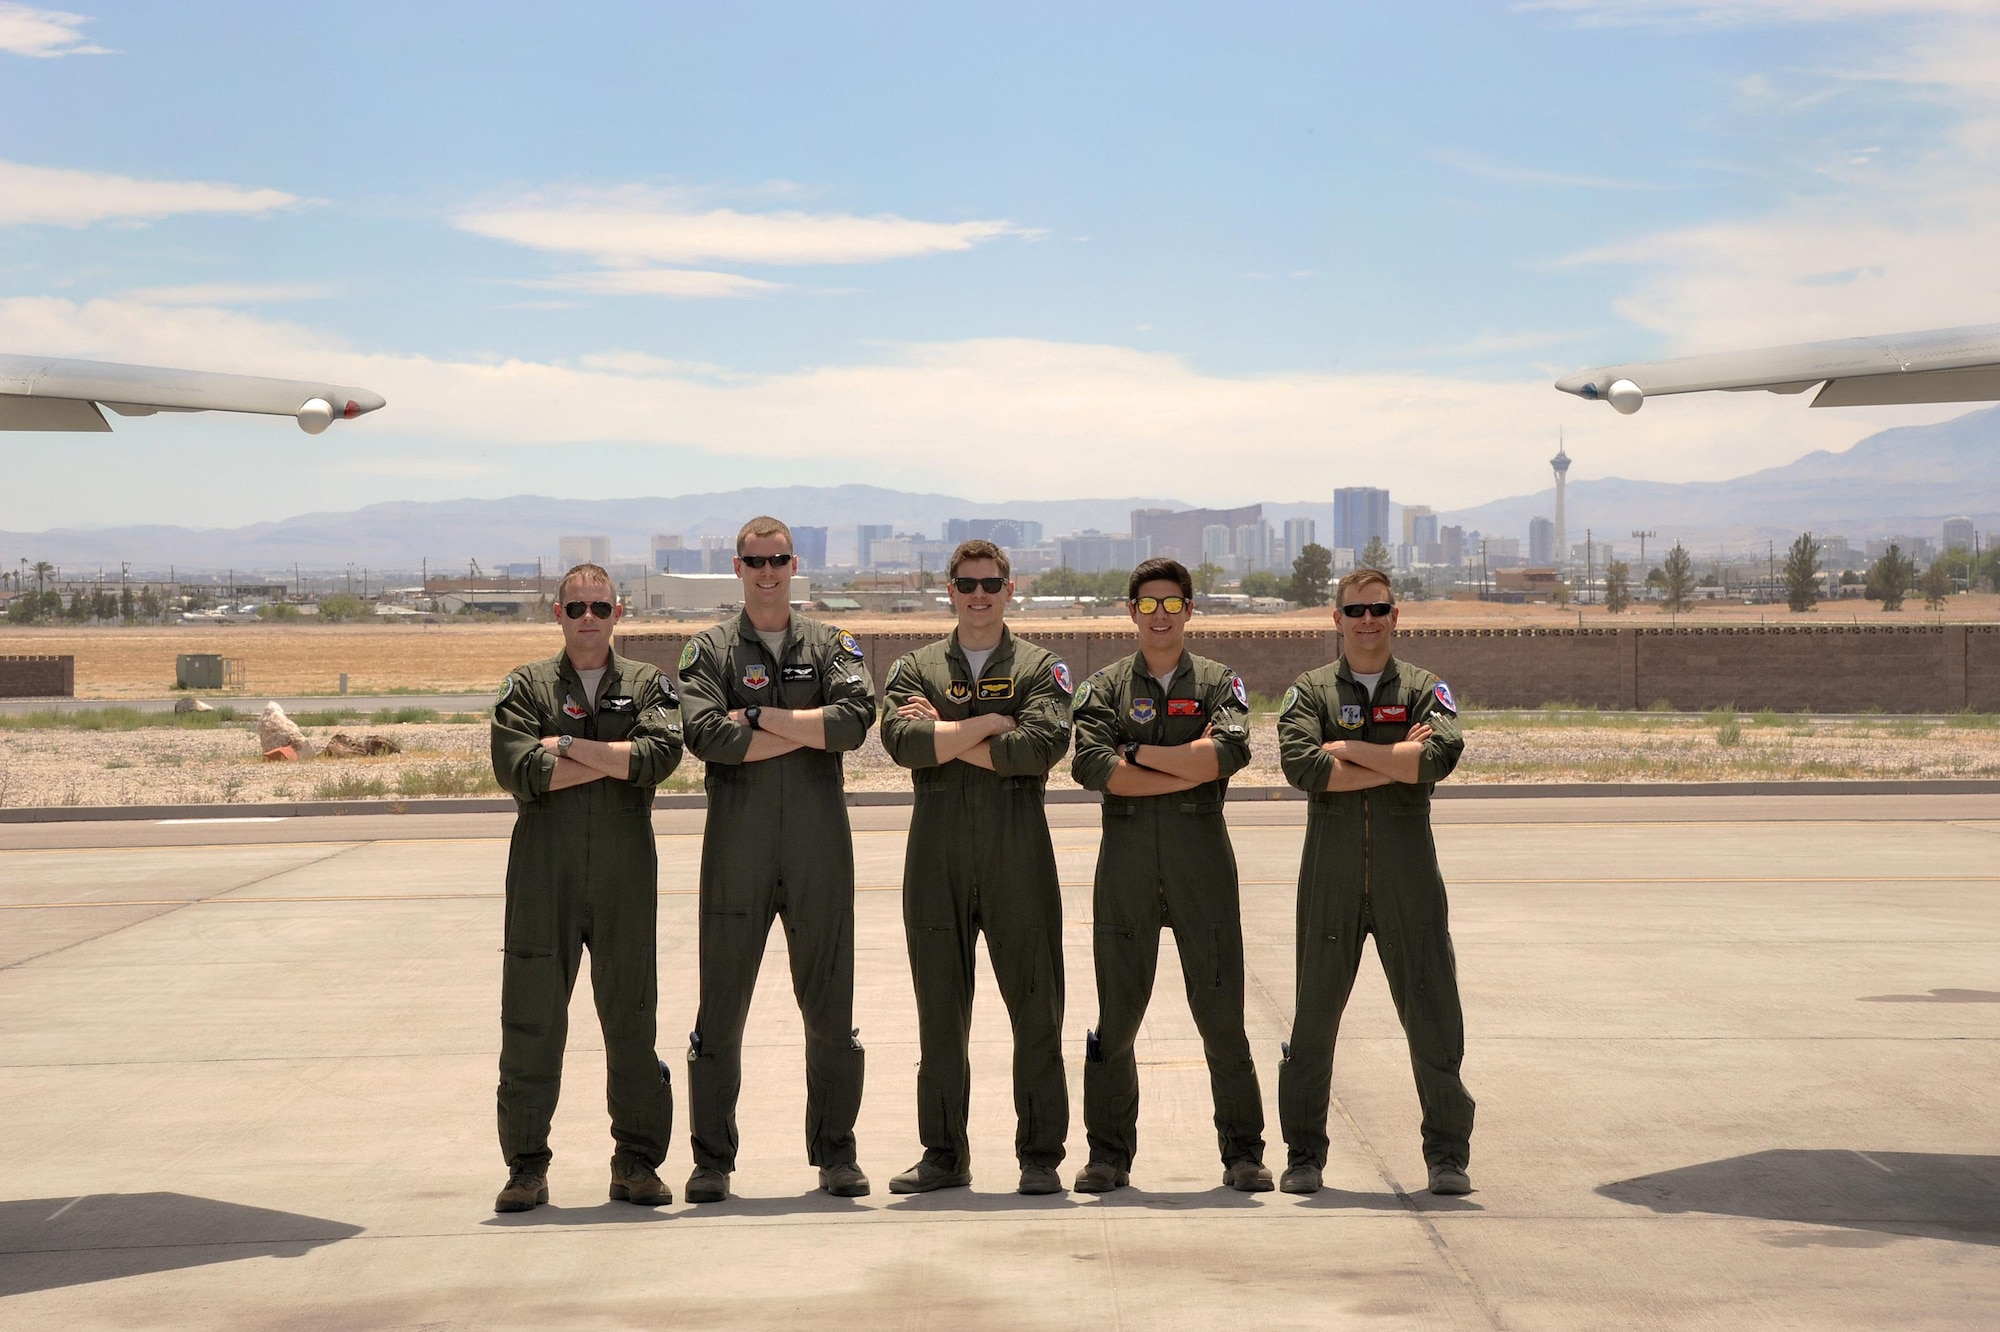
1958	534
1541	543
1299	533
1179	535
1094	551
1009	533
662	543
718	554
1217	545
1561	465
575	550
865	537
809	544
1253	545
1502	552
1414	514
1360	515
1451	546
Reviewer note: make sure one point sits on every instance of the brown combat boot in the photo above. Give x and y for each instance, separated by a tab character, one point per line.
635	1182
527	1189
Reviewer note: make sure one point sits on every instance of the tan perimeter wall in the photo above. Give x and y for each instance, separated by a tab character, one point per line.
1822	668
37	677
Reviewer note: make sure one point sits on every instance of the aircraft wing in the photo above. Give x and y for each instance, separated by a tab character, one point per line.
1935	365
44	393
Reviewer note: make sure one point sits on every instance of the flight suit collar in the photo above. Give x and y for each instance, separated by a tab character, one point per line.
1002	651
614	673
1390	670
748	633
1141	672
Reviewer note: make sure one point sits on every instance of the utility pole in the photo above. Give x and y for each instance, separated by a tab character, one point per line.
1643	570
1589	567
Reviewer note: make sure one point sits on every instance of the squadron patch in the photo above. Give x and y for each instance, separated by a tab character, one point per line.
895	669
1290	700
1443	692
755	676
506	688
847	643
1350	716
1082	694
1060	670
996	686
958	691
1236	688
571	710
1184	707
1141	711
690	654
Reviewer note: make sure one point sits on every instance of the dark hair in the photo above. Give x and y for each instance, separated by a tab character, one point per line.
1156	570
979	549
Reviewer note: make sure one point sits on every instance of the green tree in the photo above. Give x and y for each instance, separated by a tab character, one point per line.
1375	555
1561	593
342	606
128	605
79	607
278	611
1265	583
1677	579
1206	576
43	571
1312	575
1890	577
1801	573
1937	585
1617	586
149	602
1066	582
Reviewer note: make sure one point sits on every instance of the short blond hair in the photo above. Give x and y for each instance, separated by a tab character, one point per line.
1361	578
587	573
979	548
762	526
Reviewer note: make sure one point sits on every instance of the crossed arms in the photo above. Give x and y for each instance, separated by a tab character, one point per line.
1359	765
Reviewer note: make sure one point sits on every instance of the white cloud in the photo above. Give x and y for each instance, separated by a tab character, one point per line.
1478	166
632	226
1066	418
45	33
678	283
1720	13
31	195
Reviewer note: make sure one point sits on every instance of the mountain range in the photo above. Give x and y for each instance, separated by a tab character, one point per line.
1903	481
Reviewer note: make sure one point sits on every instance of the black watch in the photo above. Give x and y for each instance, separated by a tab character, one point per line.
751	714
1130	749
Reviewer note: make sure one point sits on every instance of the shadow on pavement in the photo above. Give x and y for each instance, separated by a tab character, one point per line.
50	1243
1936	997
601	1214
1934	1195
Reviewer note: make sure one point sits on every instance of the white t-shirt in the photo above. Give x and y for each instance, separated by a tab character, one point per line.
591	679
774	642
977	658
1167	681
1368	682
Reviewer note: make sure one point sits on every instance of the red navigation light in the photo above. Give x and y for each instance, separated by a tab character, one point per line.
352	410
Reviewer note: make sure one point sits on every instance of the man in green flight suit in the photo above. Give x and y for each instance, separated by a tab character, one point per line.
580	741
771	701
979	718
1369	737
1159	733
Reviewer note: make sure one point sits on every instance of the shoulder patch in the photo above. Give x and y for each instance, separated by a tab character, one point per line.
1060	670
1236	687
847	643
1290	701
1082	695
895	669
1443	692
690	653
506	688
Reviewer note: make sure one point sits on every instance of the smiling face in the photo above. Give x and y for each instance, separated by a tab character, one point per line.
768	589
1365	641
979	611
587	640
1159	631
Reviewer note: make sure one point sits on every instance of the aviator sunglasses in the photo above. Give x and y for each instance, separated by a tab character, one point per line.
1379	609
1171	605
759	561
988	585
575	609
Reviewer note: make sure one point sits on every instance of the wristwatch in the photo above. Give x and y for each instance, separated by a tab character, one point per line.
1130	749
562	746
751	714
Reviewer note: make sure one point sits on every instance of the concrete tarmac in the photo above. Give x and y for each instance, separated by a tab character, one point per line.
1734	1062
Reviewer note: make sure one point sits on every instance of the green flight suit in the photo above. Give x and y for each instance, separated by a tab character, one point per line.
1166	861
777	843
979	858
582	869
1370	867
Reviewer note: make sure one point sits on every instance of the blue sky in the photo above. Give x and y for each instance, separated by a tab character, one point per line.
1019	251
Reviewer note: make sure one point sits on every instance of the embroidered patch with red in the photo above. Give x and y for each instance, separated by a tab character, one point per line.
1392	712
1184	707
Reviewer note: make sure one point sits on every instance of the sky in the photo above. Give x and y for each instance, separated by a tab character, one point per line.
1221	252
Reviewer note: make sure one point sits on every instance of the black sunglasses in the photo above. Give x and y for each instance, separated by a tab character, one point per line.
759	561
967	585
1381	610
575	609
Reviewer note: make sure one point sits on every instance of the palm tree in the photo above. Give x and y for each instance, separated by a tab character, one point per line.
43	570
